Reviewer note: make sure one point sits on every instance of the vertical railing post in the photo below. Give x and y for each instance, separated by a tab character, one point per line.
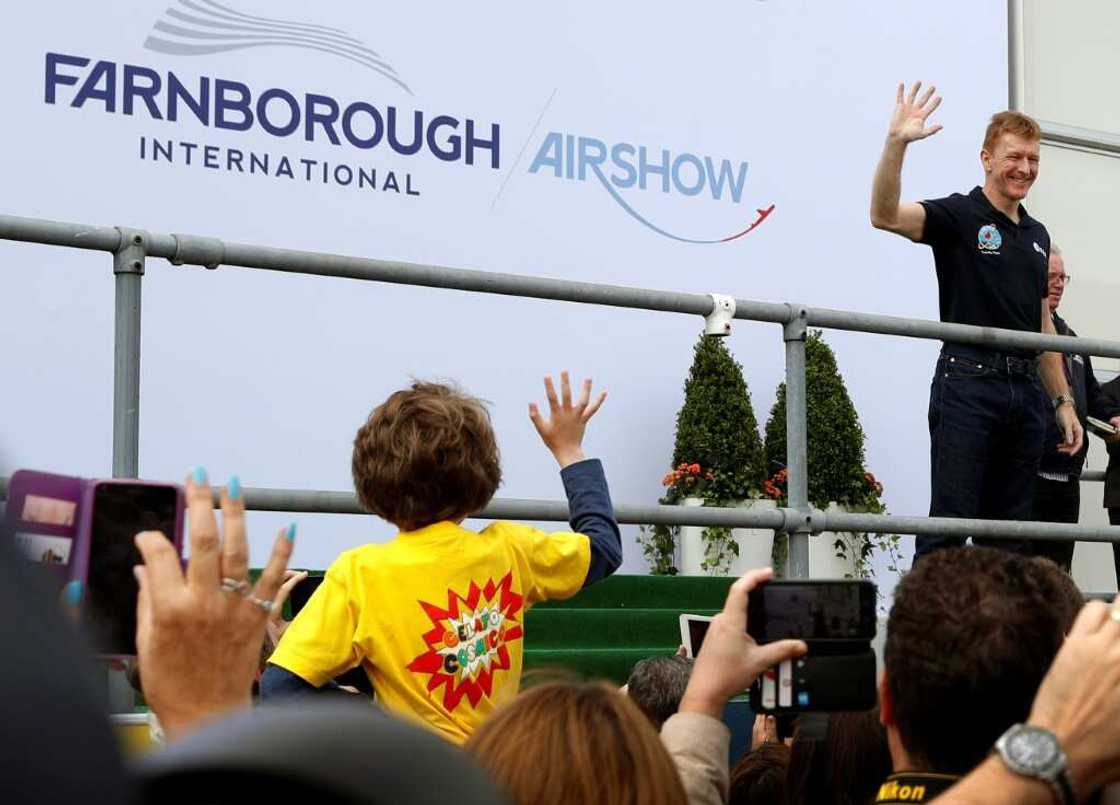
797	456
128	272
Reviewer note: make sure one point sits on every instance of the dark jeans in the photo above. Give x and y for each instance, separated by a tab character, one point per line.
1056	502
986	428
1114	519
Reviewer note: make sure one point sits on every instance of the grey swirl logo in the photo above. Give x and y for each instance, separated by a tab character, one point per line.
202	27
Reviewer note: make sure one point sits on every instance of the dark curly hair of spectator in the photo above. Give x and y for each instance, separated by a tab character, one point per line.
425	455
971	634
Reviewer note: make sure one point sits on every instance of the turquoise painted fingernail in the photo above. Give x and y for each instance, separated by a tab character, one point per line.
291	533
198	475
234	488
73	593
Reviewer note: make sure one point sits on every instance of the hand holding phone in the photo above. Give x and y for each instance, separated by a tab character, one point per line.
199	638
837	620
730	659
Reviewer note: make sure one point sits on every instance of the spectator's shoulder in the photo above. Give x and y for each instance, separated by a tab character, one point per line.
509	531
353	560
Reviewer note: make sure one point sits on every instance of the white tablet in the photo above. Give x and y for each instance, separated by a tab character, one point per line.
693	629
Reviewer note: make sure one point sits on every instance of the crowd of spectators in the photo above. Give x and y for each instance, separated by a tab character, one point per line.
978	641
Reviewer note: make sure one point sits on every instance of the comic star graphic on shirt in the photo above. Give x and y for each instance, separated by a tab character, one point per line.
468	641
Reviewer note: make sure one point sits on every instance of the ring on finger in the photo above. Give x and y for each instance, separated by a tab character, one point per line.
229	585
267	606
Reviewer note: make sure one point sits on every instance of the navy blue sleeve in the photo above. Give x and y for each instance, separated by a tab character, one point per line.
943	220
590	512
280	683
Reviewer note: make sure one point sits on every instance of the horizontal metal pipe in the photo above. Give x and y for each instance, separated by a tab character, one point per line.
960	527
990	337
294	500
435	276
59	233
327	502
202	250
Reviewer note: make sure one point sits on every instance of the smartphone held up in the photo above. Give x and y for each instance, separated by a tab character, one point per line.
836	618
82	531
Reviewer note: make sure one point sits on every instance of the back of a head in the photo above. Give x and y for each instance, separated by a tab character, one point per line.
323	751
657	686
838	758
564	742
1070	599
759	778
426	454
970	636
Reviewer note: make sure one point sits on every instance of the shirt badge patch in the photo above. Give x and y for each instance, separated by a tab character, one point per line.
1039	249
468	640
988	238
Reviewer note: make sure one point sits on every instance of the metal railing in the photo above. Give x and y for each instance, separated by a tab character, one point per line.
131	249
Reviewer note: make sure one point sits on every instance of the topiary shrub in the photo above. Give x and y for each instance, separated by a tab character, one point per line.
717	454
835	452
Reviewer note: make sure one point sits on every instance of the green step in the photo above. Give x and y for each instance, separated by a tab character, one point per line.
679	593
613	665
564	628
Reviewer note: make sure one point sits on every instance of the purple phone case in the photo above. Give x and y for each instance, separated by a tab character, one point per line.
80	492
56	487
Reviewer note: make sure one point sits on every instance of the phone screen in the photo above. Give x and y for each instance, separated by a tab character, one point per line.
696	631
120	512
835	610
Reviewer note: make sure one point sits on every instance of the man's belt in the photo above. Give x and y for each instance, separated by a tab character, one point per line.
990	359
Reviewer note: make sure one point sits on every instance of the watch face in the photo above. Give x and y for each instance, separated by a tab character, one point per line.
1033	749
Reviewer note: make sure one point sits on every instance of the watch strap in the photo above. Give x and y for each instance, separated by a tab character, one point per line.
1062	787
1060	400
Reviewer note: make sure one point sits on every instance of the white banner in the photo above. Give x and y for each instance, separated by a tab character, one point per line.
715	148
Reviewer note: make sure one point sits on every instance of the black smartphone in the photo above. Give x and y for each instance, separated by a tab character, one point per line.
302	592
812	610
120	510
836	677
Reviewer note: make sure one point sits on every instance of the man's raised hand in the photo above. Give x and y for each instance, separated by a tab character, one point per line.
908	123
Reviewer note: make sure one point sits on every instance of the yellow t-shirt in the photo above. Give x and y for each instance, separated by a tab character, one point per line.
435	617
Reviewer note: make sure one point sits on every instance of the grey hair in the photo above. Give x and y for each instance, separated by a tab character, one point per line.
657	685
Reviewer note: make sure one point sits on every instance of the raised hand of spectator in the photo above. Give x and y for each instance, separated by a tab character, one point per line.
563	431
730	660
276	622
1079	699
199	634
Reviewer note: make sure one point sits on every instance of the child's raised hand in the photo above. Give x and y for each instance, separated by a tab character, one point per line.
563	431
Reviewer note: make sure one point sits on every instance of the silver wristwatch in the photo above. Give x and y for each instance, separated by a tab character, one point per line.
1061	398
1035	752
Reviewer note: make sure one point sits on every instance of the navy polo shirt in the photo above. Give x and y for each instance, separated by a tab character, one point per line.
991	272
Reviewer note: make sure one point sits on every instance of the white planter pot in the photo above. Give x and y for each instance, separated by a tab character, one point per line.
692	544
755	544
823	561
